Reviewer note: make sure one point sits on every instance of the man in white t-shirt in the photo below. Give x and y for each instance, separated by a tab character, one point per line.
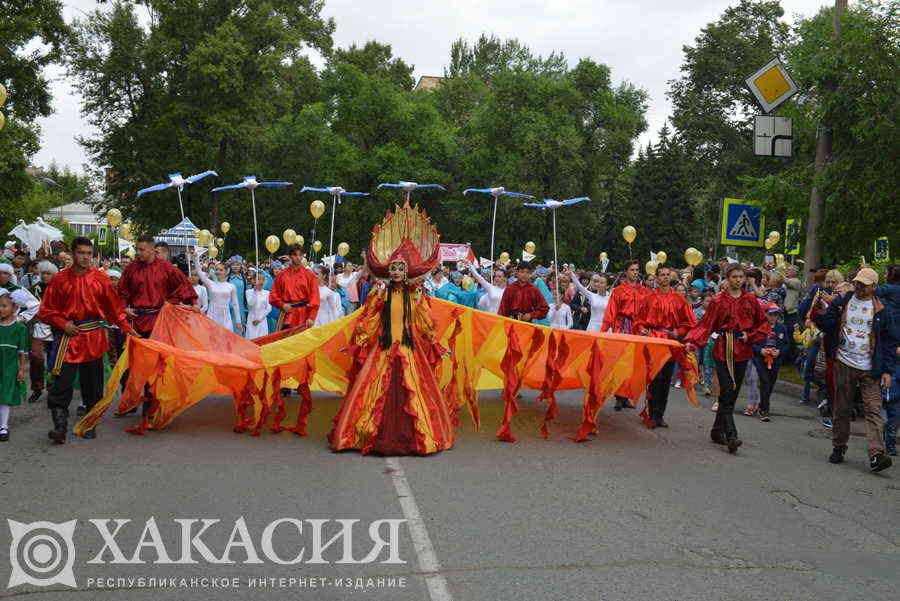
861	338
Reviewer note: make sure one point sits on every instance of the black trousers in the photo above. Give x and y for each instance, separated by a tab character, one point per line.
728	393
658	391
767	379
90	379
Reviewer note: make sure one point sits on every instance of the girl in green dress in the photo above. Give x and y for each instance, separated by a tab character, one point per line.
13	353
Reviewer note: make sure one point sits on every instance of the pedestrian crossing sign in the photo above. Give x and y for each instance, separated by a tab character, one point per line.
743	223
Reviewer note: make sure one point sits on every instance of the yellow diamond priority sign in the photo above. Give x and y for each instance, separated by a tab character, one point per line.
772	85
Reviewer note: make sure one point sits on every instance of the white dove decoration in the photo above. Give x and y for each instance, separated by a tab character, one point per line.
496	193
336	193
251	183
408	187
549	203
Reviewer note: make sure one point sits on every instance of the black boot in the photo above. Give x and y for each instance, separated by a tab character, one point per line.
60	418
92	433
718	437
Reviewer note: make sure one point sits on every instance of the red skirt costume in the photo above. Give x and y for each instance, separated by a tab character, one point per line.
395	405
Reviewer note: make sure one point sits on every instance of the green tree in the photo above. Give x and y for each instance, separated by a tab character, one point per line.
192	90
23	23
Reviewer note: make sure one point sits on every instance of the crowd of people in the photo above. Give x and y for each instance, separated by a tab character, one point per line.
65	312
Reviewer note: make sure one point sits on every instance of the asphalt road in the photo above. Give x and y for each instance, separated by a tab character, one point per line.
635	514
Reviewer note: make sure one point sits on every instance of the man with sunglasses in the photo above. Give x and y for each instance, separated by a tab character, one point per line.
861	340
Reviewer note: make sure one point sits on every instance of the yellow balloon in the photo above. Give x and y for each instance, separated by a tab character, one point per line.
775	236
467	283
343	249
779	259
125	230
650	267
298	239
220	242
213	251
692	256
661	257
225	226
304	262
272	244
2	94
317	208
204	237
504	257
529	247
603	256
2	120
130	253
770	243
114	217
289	236
629	233
317	246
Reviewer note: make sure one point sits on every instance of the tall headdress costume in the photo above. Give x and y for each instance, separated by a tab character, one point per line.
395	405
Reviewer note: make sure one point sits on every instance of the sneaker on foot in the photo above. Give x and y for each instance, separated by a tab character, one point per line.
4	434
715	407
837	455
893	452
763	416
81	410
826	421
35	396
879	461
734	444
750	411
707	391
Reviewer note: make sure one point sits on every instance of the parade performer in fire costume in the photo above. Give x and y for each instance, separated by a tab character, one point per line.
395	405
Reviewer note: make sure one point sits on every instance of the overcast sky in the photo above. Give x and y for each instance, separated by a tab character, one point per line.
640	40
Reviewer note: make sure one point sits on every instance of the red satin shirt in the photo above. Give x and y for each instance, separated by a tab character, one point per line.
623	304
81	297
149	285
293	285
658	312
726	313
523	297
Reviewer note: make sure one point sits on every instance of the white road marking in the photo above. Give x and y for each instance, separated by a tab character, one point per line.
428	561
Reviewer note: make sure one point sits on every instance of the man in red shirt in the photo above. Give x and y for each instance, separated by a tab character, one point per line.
149	282
73	305
295	293
663	313
622	309
521	299
737	321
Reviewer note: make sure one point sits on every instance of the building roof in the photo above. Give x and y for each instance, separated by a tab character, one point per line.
428	82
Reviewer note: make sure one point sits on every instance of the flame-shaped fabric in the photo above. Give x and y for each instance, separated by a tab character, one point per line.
189	357
406	234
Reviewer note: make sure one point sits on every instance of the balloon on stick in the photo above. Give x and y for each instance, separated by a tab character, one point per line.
343	248
336	194
650	267
775	236
289	236
298	239
2	120
529	247
317	246
204	237
272	244
225	226
213	251
220	242
317	208
629	233
770	243
504	257
661	256
114	217
3	94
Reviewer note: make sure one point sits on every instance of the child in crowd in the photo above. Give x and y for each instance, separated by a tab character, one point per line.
13	355
560	315
767	358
